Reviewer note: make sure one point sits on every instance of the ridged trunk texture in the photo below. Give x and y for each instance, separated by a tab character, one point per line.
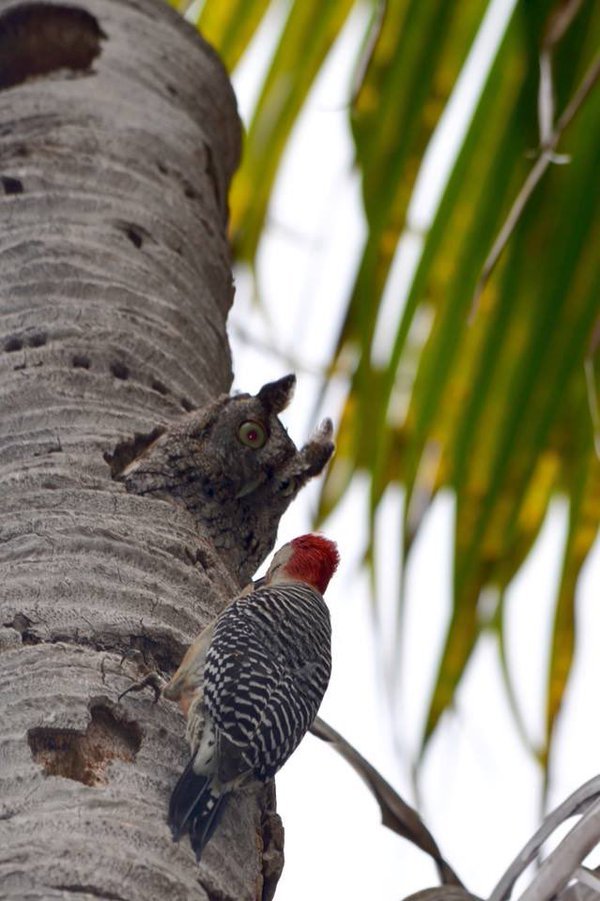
118	137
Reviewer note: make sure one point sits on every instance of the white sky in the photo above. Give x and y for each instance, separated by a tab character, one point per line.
480	790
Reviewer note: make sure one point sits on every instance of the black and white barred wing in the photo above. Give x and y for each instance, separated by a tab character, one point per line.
266	673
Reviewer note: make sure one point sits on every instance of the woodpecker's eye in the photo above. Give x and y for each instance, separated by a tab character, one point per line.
252	434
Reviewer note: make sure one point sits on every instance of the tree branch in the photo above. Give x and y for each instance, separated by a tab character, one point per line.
396	814
584	797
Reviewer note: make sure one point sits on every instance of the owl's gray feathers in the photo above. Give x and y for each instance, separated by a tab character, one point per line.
234	467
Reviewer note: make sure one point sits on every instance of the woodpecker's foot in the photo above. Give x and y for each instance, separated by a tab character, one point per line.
153	680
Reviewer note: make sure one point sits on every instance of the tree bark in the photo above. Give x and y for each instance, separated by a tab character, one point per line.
118	137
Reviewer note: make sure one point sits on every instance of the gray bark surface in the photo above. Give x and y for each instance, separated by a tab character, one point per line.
118	137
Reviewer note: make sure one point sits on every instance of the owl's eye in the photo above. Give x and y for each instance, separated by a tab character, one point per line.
252	434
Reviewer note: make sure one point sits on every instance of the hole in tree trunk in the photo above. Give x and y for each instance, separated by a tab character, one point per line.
84	756
13	343
119	370
127	451
157	385
11	185
39	38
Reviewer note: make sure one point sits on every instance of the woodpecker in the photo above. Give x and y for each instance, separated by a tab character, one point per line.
251	684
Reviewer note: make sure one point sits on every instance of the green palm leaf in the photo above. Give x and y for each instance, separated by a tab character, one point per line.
489	400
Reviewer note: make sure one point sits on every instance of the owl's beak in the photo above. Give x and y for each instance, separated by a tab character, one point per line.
248	488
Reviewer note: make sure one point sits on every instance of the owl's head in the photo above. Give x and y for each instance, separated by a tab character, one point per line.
242	443
234	467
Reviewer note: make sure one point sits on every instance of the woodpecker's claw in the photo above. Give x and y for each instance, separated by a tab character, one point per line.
153	680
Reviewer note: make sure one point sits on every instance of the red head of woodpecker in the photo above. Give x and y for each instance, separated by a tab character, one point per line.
252	683
311	559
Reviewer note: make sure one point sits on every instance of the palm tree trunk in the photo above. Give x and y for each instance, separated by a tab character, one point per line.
118	137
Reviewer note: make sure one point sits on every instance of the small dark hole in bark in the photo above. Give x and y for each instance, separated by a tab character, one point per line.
22	151
13	343
189	192
119	370
20	622
126	451
162	168
80	361
84	756
39	38
135	236
29	637
11	185
187	405
133	232
37	339
172	91
157	385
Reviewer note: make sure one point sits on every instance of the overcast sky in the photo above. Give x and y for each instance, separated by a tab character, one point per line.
479	789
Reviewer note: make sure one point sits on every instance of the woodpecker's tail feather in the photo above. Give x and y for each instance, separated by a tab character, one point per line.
195	808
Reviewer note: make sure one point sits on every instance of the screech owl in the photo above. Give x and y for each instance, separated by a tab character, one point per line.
234	467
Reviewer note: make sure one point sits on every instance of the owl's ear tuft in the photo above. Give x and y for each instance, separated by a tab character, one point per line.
275	396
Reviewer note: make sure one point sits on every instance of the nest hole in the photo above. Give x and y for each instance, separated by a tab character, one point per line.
84	756
39	38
